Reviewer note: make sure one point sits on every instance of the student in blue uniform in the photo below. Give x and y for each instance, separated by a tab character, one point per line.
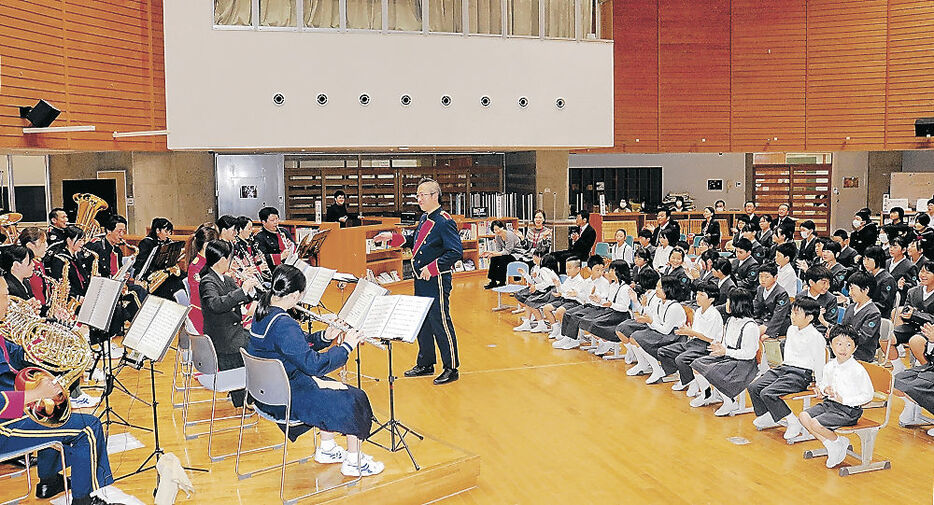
317	400
82	437
436	246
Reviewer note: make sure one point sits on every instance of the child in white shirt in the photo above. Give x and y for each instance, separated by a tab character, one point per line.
662	253
845	386
593	288
616	309
538	293
706	328
804	356
564	293
668	315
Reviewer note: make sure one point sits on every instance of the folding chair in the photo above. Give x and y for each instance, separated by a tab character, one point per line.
512	270
602	249
867	429
267	383
26	453
183	362
204	360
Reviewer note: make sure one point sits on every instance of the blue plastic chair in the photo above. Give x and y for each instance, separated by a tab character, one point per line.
798	285
602	249
630	239
563	277
697	240
684	238
840	313
512	270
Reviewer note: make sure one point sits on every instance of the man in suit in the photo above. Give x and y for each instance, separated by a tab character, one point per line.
436	246
818	286
582	242
666	225
744	266
752	219
771	307
784	221
221	300
863	316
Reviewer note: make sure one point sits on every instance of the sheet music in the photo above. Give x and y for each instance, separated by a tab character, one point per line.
407	318
378	315
100	302
155	326
315	288
121	274
355	309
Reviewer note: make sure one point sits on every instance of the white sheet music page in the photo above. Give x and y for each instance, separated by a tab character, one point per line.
155	327
355	309
407	318
137	332
100	301
378	315
317	284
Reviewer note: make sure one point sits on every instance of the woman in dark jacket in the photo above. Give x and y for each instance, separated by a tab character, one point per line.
221	300
710	228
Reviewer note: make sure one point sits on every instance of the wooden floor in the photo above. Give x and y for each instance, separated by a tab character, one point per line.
554	426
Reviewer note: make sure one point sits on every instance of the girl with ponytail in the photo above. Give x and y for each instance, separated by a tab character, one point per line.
317	400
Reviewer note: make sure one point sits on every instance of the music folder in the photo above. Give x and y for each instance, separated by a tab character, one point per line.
100	302
155	326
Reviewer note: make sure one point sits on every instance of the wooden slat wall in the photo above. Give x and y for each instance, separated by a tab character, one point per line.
910	92
769	58
100	62
694	75
846	74
837	68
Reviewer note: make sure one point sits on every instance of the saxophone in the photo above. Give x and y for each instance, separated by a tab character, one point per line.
60	306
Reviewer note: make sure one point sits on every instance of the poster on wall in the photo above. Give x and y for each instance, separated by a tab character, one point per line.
714	184
248	192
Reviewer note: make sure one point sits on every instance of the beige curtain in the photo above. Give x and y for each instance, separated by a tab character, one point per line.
405	15
588	18
322	13
365	14
523	17
559	18
277	13
486	16
232	12
445	16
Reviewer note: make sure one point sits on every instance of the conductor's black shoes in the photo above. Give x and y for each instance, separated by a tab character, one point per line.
448	375
46	489
420	371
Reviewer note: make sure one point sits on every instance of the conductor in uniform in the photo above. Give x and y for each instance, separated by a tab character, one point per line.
436	246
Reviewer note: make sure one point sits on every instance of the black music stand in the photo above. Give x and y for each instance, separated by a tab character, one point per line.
397	430
313	248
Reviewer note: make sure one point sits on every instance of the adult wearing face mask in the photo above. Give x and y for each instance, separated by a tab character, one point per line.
808	242
865	232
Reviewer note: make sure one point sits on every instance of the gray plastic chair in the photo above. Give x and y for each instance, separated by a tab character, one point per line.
512	270
183	362
267	383
26	453
204	360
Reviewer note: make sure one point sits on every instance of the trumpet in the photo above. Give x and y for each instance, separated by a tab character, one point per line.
333	322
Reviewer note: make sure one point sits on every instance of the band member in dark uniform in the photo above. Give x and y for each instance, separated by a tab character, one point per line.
436	246
274	242
227	227
110	259
35	239
317	400
65	253
159	232
16	263
245	250
58	220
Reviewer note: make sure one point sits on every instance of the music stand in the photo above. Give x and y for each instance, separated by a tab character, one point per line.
313	249
397	430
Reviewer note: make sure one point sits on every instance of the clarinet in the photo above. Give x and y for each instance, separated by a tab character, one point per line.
334	323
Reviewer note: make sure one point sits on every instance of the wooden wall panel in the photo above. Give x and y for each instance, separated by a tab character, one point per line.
694	75
101	63
768	71
635	56
910	92
846	74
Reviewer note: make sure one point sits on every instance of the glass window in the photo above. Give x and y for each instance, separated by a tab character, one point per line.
589	22
364	14
486	16
322	13
405	15
233	12
445	16
605	26
522	17
559	19
277	13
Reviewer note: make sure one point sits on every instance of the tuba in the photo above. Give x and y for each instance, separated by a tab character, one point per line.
8	225
88	207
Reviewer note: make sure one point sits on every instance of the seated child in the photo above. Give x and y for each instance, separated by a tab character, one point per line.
706	328
918	384
668	315
646	302
564	293
614	310
538	293
575	297
845	386
571	318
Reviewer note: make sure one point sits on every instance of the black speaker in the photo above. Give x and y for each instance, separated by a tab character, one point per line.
41	115
924	127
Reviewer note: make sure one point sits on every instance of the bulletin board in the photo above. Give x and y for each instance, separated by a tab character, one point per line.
911	185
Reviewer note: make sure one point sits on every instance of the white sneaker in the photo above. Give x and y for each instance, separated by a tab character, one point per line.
541	327
334	455
630	357
603	347
898	366
729	405
518	310
85	401
657	375
910	414
368	466
525	326
702	400
638	369
568	343
764	422
678	386
555	330
693	390
836	451
795	428
931	432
